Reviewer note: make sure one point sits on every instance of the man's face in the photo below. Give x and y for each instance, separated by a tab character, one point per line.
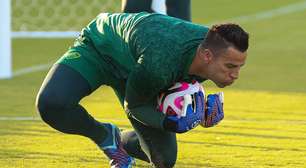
223	69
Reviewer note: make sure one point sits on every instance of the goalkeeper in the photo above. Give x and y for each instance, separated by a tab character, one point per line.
139	56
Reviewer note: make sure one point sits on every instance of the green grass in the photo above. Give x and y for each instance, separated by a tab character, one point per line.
256	132
265	111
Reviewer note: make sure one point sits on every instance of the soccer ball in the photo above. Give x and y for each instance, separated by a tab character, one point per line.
175	100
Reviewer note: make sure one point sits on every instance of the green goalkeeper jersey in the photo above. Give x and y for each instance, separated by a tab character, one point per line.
150	51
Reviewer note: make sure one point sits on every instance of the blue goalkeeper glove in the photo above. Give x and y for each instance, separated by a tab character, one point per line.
214	112
194	115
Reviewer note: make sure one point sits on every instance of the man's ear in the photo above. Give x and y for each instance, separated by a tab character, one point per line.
206	55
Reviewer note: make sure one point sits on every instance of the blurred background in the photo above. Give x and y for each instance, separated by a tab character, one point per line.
265	110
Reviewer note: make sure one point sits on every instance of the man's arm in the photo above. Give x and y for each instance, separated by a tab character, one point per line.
143	108
142	88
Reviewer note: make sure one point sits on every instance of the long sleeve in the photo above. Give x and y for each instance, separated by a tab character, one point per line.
141	97
164	48
158	67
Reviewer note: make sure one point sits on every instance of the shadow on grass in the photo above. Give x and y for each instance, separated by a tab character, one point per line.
234	134
59	157
267	120
20	131
261	129
245	146
266	112
22	154
248	135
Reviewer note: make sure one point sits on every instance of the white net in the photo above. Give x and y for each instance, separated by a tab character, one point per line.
52	17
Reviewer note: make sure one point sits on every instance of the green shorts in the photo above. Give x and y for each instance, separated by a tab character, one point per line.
93	67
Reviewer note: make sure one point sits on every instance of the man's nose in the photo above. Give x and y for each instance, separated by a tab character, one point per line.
235	75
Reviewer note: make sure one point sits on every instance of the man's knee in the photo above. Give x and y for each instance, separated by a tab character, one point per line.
48	107
164	160
164	164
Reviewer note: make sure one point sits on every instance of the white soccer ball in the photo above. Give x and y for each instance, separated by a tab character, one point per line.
175	100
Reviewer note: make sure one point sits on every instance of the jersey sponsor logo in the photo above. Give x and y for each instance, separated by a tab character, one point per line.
72	55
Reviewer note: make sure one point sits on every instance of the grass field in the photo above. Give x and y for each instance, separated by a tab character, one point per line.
265	111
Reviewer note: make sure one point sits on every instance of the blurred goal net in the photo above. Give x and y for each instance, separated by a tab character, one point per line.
45	19
55	18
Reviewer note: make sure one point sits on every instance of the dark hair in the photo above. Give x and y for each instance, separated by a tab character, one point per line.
222	36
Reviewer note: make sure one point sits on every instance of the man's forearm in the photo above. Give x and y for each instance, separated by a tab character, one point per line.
147	115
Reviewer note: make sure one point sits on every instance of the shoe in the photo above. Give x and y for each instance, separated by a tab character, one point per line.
113	149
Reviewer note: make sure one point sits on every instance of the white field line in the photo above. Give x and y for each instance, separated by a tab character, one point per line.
31	69
296	7
299	122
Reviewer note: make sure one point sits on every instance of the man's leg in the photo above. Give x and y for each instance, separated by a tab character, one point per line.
175	8
160	146
135	6
132	146
146	143
129	138
58	104
180	9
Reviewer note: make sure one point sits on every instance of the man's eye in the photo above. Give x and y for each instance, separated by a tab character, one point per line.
230	66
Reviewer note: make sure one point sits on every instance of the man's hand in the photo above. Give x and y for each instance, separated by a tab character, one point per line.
214	110
194	116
